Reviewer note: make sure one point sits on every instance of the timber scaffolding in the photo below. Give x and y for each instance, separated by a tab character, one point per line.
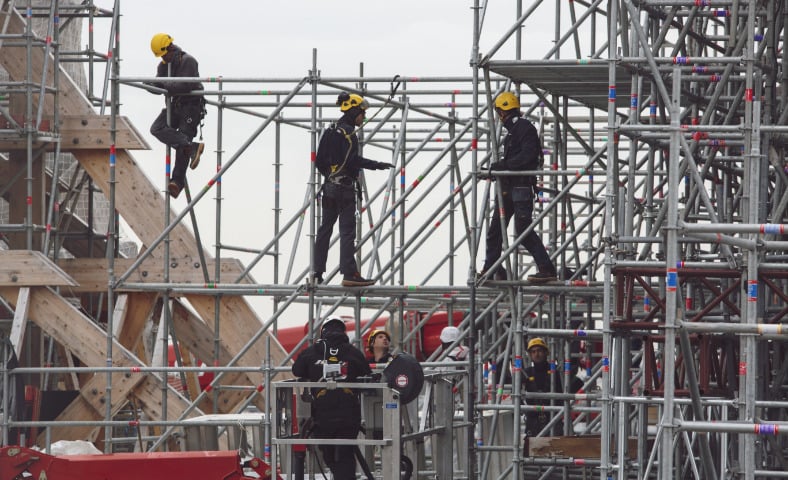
691	206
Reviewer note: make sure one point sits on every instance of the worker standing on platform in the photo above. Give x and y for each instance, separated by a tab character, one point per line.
379	347
339	162
522	151
537	378
336	413
186	111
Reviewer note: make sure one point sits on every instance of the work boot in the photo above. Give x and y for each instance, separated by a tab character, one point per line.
174	188
317	278
356	280
499	275
195	154
542	276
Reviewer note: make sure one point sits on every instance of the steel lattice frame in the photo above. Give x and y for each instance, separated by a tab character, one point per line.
691	205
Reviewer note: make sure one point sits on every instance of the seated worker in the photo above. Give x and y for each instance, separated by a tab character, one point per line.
537	378
379	346
336	413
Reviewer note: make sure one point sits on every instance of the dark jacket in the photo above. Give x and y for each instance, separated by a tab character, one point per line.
309	363
337	154
522	150
537	379
386	359
335	412
183	65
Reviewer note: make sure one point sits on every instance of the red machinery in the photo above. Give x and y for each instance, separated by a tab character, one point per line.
19	462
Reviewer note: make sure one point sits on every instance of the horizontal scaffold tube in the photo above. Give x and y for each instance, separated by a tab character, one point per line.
765	228
719	327
780	428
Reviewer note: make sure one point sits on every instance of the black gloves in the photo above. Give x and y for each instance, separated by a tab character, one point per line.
382	166
485	174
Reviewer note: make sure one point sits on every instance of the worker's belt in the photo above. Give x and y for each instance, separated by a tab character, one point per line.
347	181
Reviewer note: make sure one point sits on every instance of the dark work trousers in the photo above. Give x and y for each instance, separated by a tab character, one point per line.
184	120
340	459
339	201
517	201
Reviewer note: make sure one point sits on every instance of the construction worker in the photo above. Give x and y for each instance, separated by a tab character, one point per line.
379	346
336	413
537	378
522	151
339	162
186	111
448	336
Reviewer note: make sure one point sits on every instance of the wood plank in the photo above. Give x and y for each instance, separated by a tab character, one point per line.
134	313
90	274
581	446
238	325
192	383
13	59
63	322
141	204
28	268
19	325
197	337
79	132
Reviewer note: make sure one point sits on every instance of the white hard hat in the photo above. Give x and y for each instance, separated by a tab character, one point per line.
330	319
449	334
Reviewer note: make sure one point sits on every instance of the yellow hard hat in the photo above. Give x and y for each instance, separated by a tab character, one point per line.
374	334
159	44
346	101
507	101
537	342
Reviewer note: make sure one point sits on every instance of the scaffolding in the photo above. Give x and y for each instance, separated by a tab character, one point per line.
691	206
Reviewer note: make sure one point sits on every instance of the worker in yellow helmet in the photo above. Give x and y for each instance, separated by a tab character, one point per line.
537	378
379	346
186	111
522	151
339	161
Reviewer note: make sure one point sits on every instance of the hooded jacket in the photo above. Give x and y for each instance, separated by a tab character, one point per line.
183	65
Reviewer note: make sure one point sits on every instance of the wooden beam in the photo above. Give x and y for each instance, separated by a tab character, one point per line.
197	337
136	200
79	132
28	268
141	204
64	323
90	274
19	325
132	313
581	446
14	60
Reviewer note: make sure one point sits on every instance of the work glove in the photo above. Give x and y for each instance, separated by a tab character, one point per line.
382	166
